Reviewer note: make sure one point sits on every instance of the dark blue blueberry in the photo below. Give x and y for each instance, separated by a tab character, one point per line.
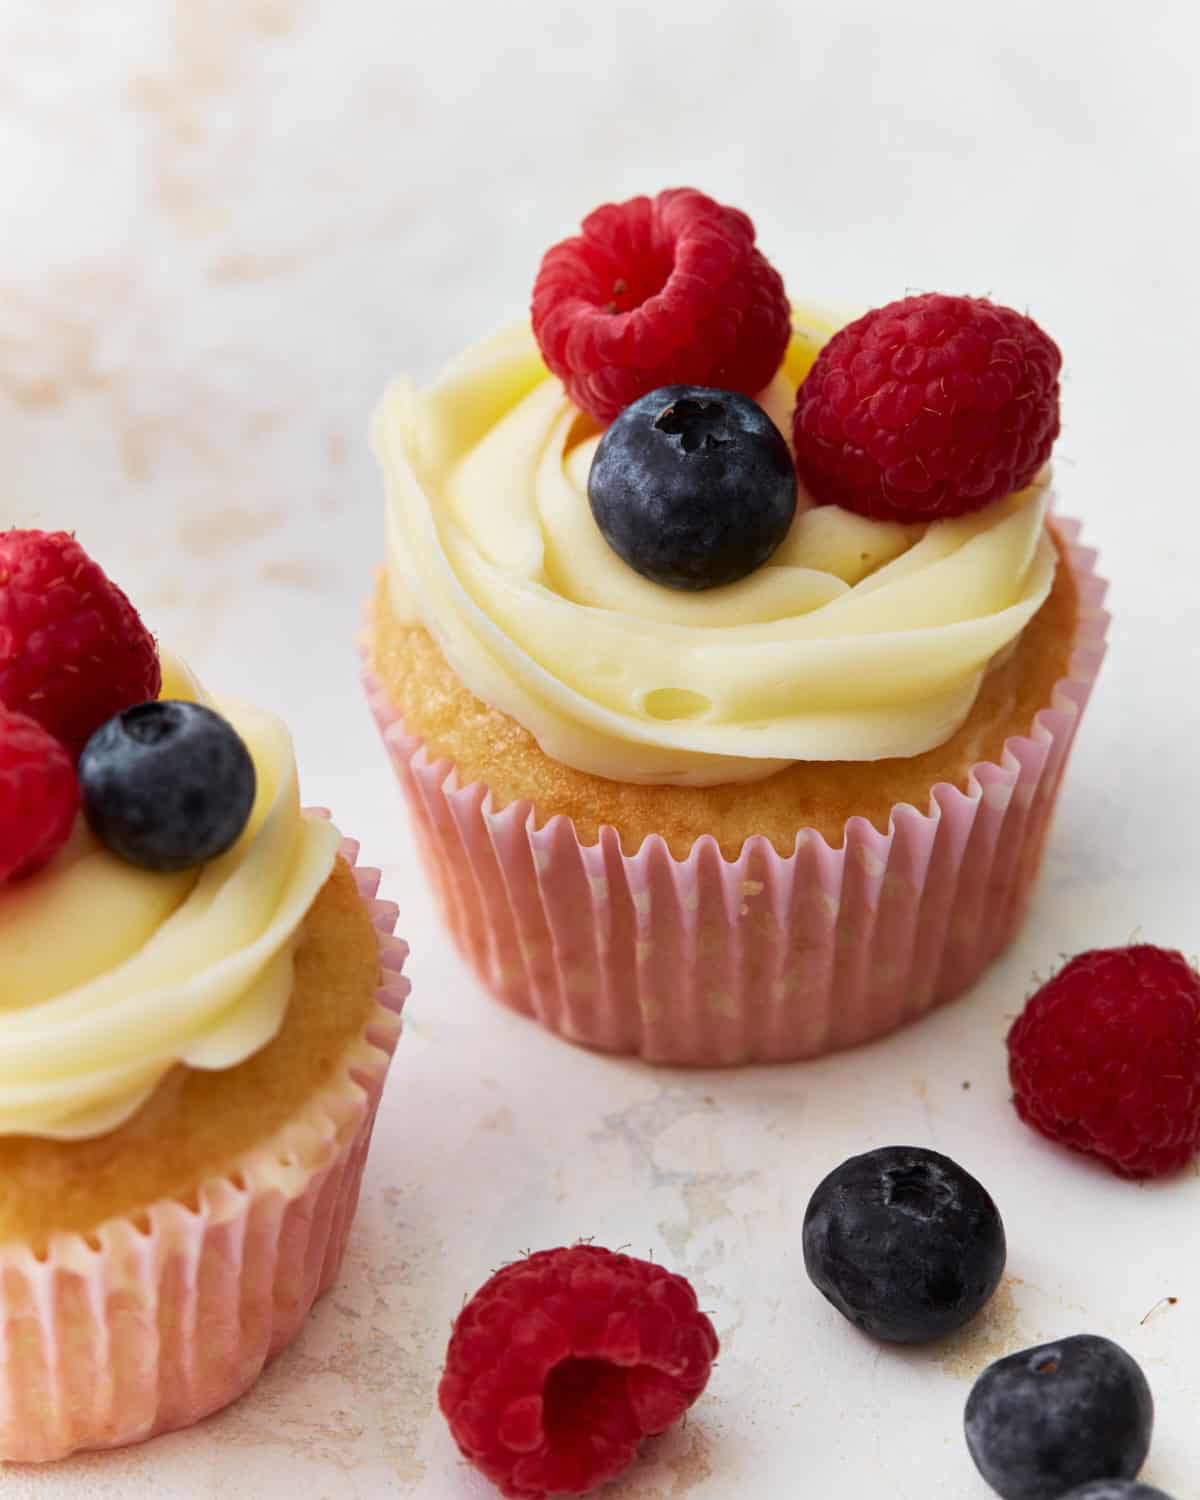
693	487
1116	1489
167	785
904	1243
1041	1422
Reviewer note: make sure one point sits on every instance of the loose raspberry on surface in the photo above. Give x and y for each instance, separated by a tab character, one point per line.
73	650
659	291
563	1362
1106	1059
39	796
931	406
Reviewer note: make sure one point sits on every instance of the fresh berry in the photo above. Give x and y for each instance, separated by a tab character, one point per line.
1045	1420
659	291
39	795
693	487
73	650
562	1363
1106	1059
1116	1489
929	407
167	785
904	1243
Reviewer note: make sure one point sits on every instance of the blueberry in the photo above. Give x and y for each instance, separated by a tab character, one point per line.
693	487
1048	1419
1116	1489
904	1243
167	785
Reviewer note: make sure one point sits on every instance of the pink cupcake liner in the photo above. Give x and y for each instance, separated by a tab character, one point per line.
154	1321
764	958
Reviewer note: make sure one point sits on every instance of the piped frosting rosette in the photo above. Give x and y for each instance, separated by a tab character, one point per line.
113	975
860	639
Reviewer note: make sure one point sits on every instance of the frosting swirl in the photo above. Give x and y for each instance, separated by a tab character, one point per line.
113	974
858	640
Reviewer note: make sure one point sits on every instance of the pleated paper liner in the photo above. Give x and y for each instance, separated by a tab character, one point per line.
153	1322
765	958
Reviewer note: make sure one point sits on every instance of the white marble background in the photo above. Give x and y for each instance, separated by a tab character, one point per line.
225	222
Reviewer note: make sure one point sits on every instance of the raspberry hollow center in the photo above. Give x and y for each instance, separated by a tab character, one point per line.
637	283
583	1397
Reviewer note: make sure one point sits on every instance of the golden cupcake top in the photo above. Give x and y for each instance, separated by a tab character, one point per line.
155	865
686	533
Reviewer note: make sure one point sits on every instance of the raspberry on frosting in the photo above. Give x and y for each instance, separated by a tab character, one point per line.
73	650
39	796
1106	1059
659	291
563	1362
931	406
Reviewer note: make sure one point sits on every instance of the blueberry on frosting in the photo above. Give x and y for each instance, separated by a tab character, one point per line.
167	785
693	487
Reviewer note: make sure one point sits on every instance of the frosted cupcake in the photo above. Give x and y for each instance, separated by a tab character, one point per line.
200	999
731	728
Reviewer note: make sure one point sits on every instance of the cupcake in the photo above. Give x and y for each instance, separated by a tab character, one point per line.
728	660
200	1000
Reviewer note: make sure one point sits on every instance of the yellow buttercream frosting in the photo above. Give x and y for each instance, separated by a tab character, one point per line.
110	975
858	640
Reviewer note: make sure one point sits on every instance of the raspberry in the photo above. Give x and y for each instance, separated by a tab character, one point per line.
39	795
73	650
562	1363
1106	1059
659	291
932	406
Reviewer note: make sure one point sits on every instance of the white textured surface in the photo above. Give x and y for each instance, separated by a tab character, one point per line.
226	222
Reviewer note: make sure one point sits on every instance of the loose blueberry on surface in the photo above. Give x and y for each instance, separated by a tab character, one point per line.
904	1243
1116	1489
167	785
1043	1421
693	487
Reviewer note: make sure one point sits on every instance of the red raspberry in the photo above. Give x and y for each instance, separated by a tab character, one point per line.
928	407
659	291
1106	1059
561	1364
39	795
73	650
